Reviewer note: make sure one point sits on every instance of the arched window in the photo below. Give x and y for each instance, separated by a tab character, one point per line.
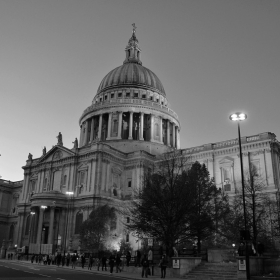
79	221
64	180
157	129
27	225
115	126
11	233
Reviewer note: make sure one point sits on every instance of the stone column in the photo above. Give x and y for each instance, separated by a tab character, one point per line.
81	131
109	127
40	225
120	126
130	125
86	134
100	127
50	237
160	129
173	135
91	129
152	128
176	136
141	125
20	224
168	132
178	139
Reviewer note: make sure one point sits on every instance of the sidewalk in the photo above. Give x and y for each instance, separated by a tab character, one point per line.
136	272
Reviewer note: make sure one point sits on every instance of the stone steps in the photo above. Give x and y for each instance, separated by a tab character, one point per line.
213	271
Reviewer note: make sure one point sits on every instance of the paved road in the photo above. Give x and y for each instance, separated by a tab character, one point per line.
13	270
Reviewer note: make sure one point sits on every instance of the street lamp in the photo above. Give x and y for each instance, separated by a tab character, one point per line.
239	116
69	194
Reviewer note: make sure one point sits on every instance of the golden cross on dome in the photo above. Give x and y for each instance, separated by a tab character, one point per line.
134	27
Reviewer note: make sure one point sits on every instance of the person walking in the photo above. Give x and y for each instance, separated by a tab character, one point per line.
83	260
90	262
150	256
138	258
128	258
118	263
163	266
73	260
68	259
112	263
145	266
104	260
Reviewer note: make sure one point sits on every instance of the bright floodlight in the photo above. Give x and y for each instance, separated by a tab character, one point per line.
238	116
70	193
32	213
44	207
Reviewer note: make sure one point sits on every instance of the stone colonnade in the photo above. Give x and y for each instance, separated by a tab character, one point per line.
88	134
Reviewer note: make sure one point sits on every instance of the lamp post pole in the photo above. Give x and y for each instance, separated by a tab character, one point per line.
240	117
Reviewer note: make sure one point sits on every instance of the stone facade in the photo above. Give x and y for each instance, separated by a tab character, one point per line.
126	128
9	199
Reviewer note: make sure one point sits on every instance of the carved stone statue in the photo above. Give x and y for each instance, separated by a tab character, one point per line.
30	156
44	150
75	143
59	139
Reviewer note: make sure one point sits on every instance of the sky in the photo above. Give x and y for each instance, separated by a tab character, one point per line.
213	57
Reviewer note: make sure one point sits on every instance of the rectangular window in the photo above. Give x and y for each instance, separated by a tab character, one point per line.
100	99
106	97
135	94
144	96
112	95
128	94
151	98
129	184
120	94
127	220
127	238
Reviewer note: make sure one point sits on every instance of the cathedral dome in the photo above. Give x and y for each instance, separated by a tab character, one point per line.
131	73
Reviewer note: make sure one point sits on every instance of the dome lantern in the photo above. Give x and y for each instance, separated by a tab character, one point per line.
132	50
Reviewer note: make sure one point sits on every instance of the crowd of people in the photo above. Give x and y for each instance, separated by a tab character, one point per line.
114	262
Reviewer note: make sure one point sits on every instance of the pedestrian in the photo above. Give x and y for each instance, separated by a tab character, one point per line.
58	259
128	258
73	260
32	258
90	262
68	259
11	256
118	263
138	258
36	259
83	260
111	263
104	260
63	260
163	266
145	266
8	256
40	259
260	249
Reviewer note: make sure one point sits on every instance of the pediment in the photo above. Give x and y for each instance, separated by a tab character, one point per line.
226	160
57	153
